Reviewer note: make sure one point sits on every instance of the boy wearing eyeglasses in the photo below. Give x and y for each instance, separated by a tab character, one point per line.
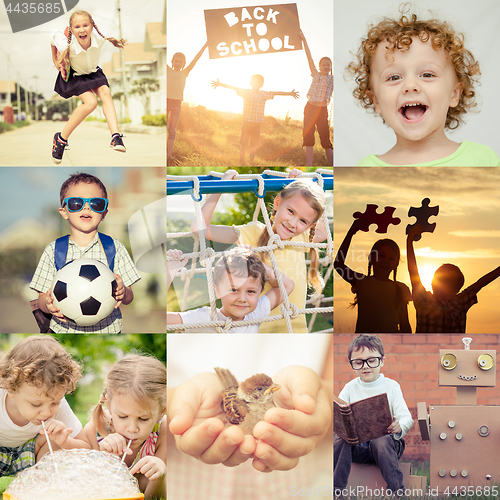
84	205
366	357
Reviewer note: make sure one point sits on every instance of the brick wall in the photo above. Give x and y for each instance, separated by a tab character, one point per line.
413	360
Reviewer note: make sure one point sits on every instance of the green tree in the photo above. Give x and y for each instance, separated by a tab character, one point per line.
144	88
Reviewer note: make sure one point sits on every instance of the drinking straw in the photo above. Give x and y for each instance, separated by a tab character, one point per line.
50	446
125	454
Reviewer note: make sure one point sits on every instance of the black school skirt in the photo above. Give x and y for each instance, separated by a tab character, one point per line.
77	85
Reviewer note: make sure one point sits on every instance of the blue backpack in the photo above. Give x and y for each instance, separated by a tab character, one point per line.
62	244
60	254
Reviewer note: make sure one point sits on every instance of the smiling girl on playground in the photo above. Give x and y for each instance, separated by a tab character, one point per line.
297	217
130	419
382	302
76	57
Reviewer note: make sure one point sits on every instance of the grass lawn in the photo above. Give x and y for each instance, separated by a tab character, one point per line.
211	138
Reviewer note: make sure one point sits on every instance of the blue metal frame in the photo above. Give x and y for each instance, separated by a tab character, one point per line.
210	184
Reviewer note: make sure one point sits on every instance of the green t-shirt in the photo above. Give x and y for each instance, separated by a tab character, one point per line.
469	154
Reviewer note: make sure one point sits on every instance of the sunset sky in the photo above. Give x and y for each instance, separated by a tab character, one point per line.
467	232
282	71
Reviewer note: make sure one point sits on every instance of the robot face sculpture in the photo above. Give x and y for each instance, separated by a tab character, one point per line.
465	438
467	368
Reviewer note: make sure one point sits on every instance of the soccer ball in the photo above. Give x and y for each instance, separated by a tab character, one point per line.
83	290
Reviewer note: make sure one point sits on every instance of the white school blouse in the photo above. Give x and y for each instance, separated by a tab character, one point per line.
82	61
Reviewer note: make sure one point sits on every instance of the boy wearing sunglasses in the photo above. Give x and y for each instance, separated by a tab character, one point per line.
366	357
84	205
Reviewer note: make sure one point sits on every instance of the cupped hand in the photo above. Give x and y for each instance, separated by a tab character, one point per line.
298	423
196	422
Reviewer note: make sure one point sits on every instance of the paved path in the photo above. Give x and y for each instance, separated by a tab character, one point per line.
89	146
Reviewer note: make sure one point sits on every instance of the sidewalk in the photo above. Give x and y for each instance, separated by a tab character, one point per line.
89	146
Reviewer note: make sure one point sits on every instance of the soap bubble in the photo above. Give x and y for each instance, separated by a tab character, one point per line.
82	475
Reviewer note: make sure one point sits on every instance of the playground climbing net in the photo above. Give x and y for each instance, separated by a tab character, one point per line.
206	256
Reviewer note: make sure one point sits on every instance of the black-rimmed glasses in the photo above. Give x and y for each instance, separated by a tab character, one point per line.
357	364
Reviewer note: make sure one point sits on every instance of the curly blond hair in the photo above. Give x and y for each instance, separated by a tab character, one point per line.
398	34
41	362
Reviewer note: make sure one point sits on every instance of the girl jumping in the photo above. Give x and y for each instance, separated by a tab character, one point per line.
176	81
382	302
76	57
297	217
316	110
134	420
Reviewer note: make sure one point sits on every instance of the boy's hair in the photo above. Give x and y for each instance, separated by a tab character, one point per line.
41	362
64	56
180	54
142	378
78	178
455	274
315	196
258	79
398	33
240	262
372	342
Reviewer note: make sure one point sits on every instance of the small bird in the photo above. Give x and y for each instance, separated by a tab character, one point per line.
245	404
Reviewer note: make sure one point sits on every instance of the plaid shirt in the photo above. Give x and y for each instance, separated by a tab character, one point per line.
253	104
321	88
434	316
46	270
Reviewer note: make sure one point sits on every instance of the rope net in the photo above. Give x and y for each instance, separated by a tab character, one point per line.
206	257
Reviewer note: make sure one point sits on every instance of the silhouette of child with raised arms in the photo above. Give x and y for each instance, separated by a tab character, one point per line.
382	302
444	310
254	101
418	75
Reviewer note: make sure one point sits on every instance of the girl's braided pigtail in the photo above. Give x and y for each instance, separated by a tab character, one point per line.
117	43
314	277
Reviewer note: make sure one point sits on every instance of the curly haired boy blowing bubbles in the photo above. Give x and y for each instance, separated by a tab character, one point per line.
418	75
34	378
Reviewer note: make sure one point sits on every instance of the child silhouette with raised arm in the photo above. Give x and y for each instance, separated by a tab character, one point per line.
419	77
176	81
382	302
254	101
316	110
444	310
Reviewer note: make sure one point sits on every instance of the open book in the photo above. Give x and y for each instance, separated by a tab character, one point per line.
363	420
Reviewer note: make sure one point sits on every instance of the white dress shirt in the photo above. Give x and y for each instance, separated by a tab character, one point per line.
82	61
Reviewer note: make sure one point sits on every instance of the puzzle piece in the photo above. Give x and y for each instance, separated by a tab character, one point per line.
422	214
382	220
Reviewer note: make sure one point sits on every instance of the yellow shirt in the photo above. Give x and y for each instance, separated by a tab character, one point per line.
291	262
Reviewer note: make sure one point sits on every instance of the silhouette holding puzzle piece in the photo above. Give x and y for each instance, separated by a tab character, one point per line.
382	220
422	214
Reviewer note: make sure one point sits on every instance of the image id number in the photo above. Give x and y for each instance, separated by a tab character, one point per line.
34	8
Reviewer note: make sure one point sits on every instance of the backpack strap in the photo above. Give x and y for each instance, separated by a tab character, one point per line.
62	244
61	251
108	245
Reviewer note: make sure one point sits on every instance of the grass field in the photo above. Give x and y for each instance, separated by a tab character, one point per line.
211	138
